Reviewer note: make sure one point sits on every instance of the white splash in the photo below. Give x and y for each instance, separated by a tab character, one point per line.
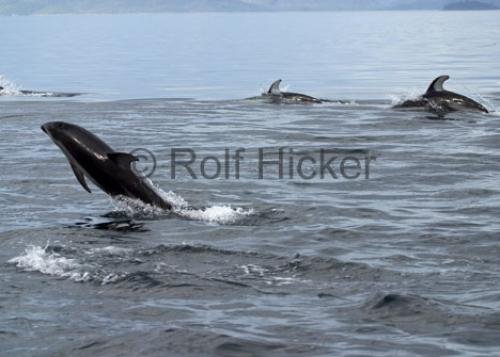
214	214
36	258
111	278
175	200
9	88
110	251
411	94
135	207
280	281
253	269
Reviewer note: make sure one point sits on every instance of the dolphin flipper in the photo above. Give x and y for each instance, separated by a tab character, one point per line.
275	88
81	178
122	159
437	84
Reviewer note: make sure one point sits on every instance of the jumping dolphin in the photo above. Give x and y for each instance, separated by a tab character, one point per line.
107	169
439	100
276	95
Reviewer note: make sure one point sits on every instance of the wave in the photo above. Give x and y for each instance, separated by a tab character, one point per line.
148	267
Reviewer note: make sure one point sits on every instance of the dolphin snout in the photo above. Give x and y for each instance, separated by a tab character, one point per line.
52	126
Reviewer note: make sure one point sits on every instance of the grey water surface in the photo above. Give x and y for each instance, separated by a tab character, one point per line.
405	262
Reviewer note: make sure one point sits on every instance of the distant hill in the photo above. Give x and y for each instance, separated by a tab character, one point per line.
470	5
27	7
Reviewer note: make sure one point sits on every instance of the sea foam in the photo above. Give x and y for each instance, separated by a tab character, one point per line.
36	258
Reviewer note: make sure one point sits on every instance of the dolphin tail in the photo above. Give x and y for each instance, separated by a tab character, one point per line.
437	84
275	88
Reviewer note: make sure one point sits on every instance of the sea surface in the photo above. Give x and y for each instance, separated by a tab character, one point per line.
402	260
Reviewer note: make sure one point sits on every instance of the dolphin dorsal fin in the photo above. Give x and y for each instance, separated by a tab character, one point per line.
437	84
122	159
275	88
81	178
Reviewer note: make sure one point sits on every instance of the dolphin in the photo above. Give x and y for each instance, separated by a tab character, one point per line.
439	100
48	94
41	94
276	95
109	170
439	97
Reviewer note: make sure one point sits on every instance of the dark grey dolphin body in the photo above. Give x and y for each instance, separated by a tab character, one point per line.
441	101
276	95
109	170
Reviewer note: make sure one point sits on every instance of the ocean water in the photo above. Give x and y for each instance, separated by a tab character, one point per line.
402	260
